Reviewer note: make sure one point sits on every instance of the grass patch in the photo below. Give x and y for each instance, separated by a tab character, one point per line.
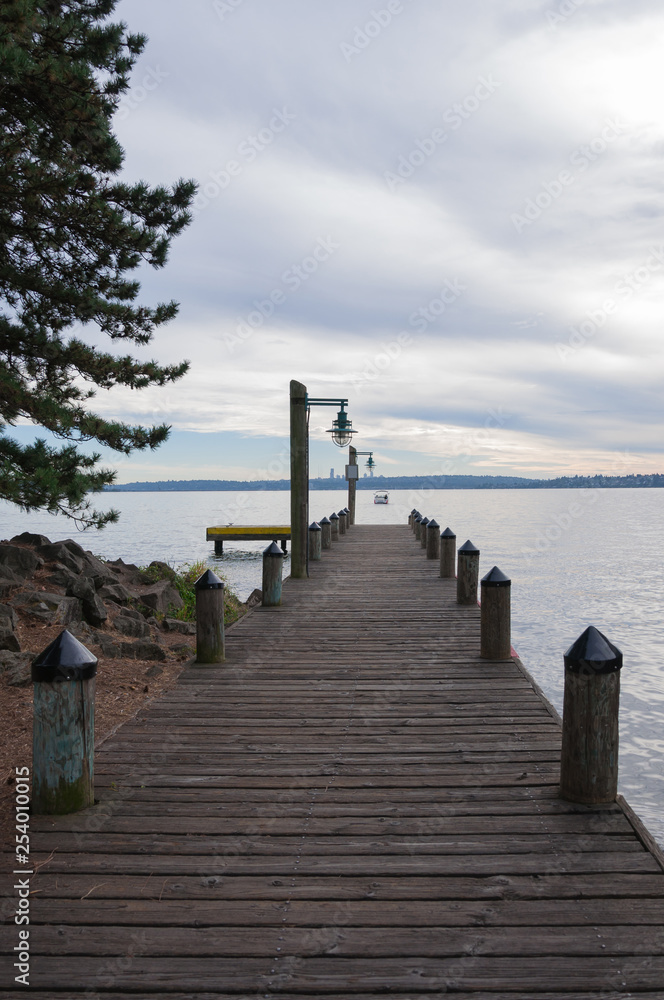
183	579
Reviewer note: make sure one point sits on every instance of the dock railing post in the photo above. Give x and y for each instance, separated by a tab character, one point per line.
349	520
315	541
210	639
63	731
423	532
495	626
326	536
447	553
433	539
273	563
342	522
334	531
417	526
468	571
589	755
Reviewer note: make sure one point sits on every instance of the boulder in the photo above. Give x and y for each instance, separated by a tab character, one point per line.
21	561
59	552
116	592
175	625
160	570
8	640
127	573
109	649
161	597
98	571
41	604
29	538
8	617
69	610
94	610
255	598
17	668
62	577
142	650
132	626
8	580
133	613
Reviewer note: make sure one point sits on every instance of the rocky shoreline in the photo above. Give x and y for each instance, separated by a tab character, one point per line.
116	609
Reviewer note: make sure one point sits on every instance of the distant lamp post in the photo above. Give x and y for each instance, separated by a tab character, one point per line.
342	435
352	476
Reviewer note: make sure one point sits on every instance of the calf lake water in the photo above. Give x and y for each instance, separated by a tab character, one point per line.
575	558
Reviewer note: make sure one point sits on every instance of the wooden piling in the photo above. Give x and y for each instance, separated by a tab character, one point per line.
589	755
334	530
417	526
315	541
495	630
447	554
210	641
433	540
273	562
218	546
326	533
468	567
423	532
63	731
342	522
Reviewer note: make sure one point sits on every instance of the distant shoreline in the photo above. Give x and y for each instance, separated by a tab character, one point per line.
459	482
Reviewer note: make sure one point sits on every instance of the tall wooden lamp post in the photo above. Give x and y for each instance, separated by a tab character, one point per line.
342	434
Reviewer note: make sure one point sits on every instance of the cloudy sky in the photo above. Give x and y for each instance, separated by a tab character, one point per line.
451	213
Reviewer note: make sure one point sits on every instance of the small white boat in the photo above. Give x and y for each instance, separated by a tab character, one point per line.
381	497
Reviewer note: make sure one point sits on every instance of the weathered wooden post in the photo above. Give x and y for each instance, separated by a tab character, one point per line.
210	640
417	526
495	627
334	531
410	517
352	482
589	755
273	564
415	516
63	731
299	461
423	532
342	522
326	533
468	571
218	546
447	553
315	541
349	520
433	539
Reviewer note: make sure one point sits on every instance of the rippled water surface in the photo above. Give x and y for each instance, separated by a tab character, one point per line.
575	557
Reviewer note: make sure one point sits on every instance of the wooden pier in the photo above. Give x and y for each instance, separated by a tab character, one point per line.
354	804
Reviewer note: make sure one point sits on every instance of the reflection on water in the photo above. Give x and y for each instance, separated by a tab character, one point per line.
575	557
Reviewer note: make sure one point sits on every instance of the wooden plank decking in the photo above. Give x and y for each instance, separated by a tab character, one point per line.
353	805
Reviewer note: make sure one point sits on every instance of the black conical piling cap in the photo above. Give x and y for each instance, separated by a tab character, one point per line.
346	510
496	578
425	520
342	513
209	581
593	653
65	659
413	511
325	520
448	533
273	551
468	547
315	526
418	519
334	517
433	524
